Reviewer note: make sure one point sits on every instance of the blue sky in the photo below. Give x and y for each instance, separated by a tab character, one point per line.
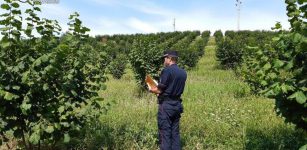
146	16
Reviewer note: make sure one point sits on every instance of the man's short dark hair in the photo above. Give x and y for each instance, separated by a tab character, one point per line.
174	59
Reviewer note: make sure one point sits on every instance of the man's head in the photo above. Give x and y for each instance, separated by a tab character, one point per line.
170	57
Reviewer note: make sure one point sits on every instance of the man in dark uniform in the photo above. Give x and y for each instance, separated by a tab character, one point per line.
169	90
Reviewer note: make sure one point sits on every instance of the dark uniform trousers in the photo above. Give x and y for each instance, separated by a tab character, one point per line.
169	114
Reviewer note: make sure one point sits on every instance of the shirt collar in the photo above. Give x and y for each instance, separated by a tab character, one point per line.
172	65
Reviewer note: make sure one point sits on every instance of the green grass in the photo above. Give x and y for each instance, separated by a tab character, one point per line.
219	113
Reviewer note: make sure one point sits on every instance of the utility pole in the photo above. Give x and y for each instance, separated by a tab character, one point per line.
238	5
174	24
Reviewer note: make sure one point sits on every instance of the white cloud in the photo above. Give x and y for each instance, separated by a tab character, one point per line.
157	18
106	2
56	10
194	19
189	20
262	20
107	26
2	11
141	26
148	7
151	8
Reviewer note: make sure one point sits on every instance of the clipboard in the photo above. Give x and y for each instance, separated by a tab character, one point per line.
151	83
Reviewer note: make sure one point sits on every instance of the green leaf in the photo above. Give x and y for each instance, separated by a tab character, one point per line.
9	96
284	88
303	147
269	93
277	26
25	77
66	138
264	58
37	62
39	29
278	63
276	39
16	12
37	2
98	99
74	93
301	2
25	107
15	5
37	9
259	73
70	76
4	15
5	6
34	138
61	109
263	83
16	87
267	66
103	87
5	44
65	124
45	86
15	32
57	125
272	75
299	96
259	52
5	29
289	65
28	31
49	129
44	58
28	10
290	1
297	38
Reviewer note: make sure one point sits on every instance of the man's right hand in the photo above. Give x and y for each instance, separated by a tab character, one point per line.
155	90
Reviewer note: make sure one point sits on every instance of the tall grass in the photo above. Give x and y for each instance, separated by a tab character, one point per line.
219	113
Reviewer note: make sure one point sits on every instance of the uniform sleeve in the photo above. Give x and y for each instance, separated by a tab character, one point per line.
164	79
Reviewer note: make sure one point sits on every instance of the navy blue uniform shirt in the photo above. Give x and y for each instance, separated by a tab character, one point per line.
172	81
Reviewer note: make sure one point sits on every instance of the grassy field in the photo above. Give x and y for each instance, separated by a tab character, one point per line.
219	113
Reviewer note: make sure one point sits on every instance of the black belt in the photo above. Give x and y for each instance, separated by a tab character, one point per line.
169	98
174	97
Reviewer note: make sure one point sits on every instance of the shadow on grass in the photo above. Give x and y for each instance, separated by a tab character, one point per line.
113	137
277	138
96	137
